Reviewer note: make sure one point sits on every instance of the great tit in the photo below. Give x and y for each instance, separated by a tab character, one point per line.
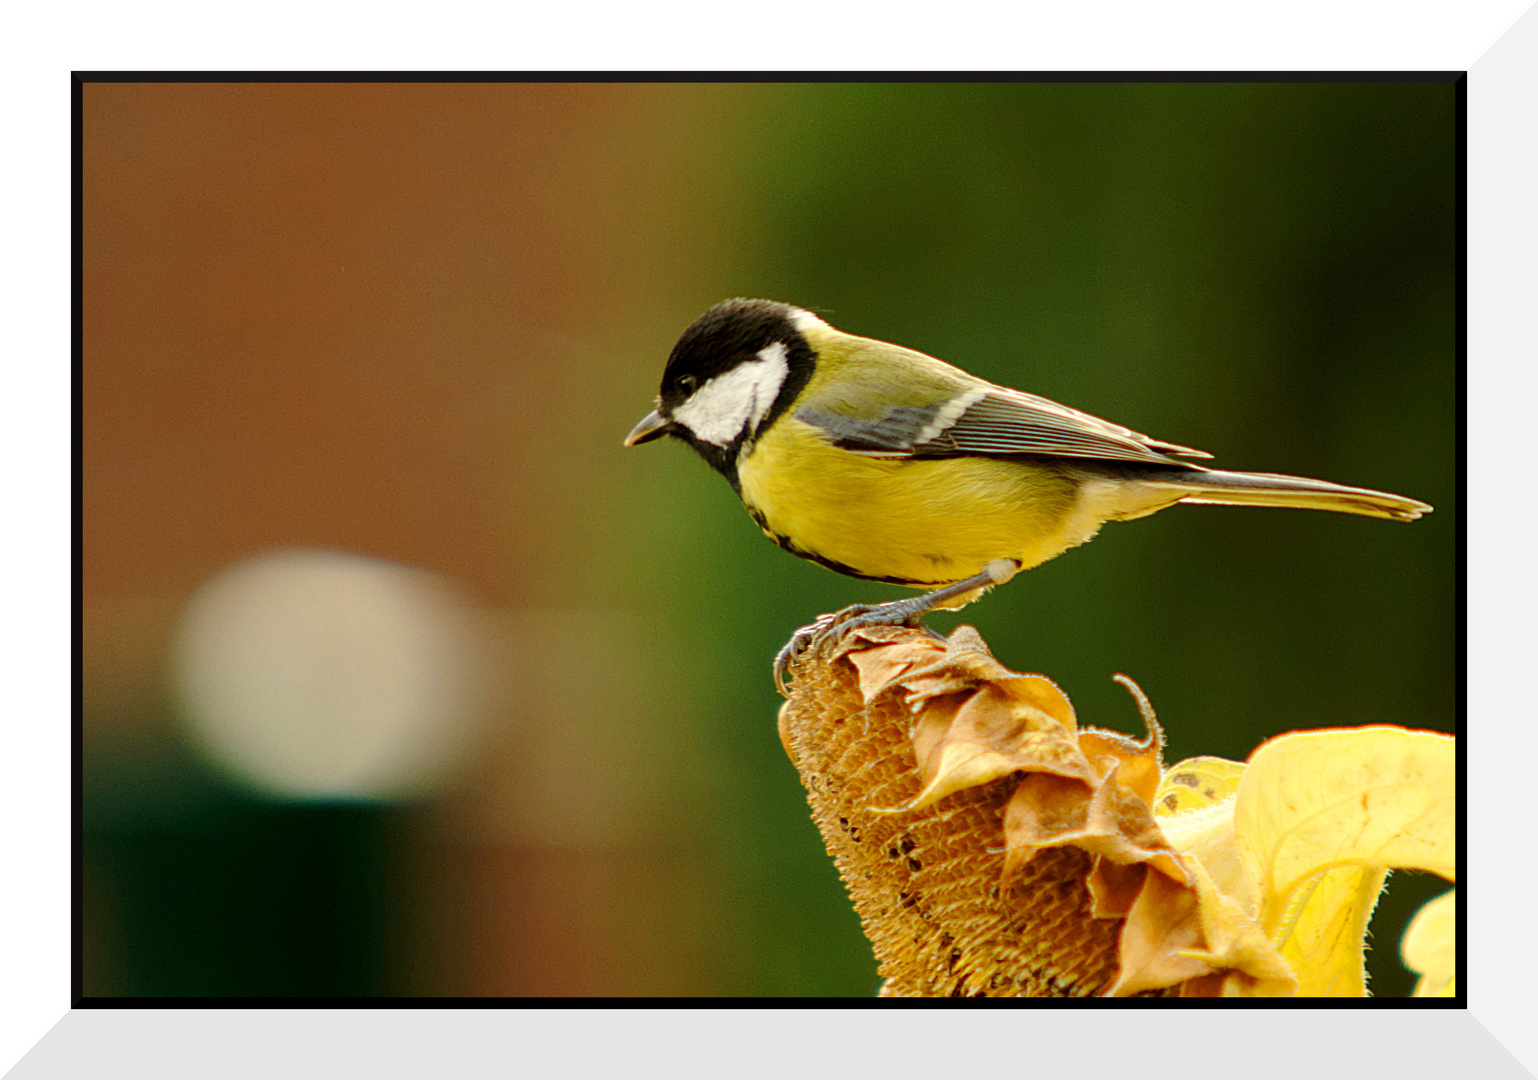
884	463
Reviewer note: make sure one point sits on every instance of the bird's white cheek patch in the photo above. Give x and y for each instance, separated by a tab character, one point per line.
719	411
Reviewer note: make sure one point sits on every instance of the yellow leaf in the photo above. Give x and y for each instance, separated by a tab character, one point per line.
1320	817
1326	928
1429	947
1196	783
1365	797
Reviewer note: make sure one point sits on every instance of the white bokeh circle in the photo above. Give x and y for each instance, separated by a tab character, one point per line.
327	675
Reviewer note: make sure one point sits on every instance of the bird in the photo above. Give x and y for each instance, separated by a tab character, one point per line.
884	463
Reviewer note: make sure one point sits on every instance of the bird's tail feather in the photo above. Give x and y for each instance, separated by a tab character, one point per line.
1267	489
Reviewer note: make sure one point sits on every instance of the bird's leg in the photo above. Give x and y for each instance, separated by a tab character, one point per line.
832	628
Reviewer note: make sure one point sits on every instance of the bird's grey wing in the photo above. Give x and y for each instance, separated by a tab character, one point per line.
991	421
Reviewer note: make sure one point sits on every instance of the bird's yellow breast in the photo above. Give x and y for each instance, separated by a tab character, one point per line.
916	522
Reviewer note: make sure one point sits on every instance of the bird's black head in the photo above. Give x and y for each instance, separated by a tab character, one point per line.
731	375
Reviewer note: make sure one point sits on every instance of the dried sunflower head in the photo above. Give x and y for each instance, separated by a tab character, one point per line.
993	847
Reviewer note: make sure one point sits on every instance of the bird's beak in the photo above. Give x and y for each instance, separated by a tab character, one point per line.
652	426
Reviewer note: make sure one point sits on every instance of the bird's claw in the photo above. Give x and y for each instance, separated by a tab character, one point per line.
831	628
804	638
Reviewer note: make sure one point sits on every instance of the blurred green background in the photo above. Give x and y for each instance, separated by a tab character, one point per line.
414	322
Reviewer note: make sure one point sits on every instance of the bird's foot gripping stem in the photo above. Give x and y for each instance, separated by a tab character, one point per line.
830	629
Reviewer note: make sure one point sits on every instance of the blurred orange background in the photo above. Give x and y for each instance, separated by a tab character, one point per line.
362	318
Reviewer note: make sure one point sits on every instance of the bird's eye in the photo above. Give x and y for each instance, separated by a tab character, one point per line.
687	383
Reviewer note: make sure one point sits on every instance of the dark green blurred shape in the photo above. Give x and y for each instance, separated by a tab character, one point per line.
210	892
